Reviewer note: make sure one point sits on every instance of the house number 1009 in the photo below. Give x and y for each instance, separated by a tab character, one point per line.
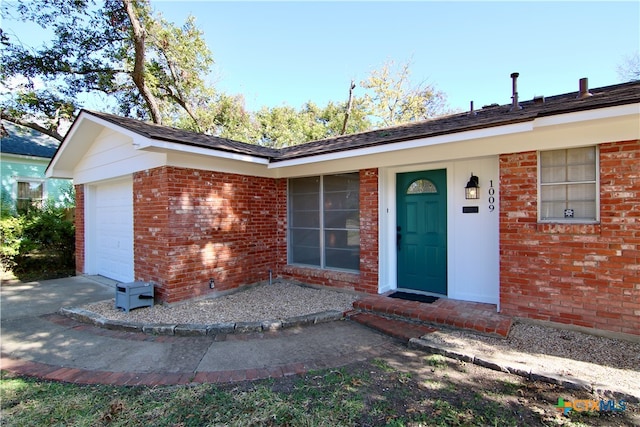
492	192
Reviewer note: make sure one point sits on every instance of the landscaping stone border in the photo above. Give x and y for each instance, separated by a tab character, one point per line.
94	319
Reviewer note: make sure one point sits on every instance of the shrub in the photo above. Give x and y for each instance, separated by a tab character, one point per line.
11	234
40	239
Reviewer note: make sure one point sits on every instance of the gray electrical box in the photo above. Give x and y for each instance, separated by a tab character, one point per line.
134	295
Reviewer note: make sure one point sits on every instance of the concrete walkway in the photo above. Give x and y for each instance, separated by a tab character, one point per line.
38	341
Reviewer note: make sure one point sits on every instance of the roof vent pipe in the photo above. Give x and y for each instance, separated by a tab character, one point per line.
472	112
584	88
515	105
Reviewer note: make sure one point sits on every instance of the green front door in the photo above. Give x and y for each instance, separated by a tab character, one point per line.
422	230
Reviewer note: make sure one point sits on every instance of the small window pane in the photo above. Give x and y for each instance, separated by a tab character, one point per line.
553	174
304	185
577	173
552	193
553	158
304	202
342	182
305	220
422	186
305	246
342	219
342	249
581	156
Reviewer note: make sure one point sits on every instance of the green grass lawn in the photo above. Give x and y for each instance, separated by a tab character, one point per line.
398	391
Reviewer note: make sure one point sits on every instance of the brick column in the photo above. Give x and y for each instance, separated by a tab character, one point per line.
369	247
79	223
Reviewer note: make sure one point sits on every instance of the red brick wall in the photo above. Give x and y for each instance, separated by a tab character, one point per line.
192	225
79	222
367	279
584	275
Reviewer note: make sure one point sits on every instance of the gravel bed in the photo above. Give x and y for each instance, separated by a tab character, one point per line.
605	363
542	340
278	301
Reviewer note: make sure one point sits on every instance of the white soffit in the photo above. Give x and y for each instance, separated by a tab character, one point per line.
155	145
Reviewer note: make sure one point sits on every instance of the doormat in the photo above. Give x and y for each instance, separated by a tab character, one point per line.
428	299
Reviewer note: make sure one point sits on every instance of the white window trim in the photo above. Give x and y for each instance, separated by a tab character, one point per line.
29	179
597	184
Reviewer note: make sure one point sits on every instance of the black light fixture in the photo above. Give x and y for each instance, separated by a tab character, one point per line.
472	190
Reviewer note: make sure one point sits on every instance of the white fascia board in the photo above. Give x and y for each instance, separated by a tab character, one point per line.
143	143
588	115
406	145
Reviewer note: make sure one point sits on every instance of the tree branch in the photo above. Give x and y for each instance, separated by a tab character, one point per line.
33	125
347	113
139	63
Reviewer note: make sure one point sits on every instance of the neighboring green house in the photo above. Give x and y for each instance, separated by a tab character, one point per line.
24	156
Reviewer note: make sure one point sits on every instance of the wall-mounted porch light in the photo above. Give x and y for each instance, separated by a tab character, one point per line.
472	190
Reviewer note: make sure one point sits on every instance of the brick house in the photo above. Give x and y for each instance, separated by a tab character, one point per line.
551	233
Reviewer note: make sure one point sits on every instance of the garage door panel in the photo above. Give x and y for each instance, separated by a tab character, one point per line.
113	228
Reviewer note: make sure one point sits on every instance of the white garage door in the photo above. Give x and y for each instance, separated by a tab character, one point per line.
113	230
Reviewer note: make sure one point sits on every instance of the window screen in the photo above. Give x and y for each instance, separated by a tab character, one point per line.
324	221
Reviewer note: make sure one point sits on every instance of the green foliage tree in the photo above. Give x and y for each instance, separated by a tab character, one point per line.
138	62
391	99
143	66
284	126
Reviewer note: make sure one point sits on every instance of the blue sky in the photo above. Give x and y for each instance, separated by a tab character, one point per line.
290	52
277	53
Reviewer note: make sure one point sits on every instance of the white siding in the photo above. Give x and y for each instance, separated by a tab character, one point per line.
112	155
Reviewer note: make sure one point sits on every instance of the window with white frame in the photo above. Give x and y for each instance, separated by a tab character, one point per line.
324	221
30	193
568	181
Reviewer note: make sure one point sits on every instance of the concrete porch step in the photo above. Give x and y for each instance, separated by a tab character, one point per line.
400	329
477	317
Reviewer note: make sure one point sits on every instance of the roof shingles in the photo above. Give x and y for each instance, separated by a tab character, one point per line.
24	141
621	94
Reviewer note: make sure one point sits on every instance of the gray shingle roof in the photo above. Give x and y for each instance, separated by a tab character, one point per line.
169	134
25	141
484	118
498	115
